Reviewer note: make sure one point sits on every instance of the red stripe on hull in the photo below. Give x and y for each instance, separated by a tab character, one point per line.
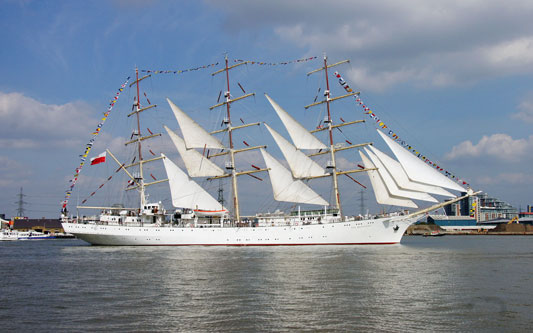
307	244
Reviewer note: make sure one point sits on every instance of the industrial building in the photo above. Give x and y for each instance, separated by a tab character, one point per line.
42	225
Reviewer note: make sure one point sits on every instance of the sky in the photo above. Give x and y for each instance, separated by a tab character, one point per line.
451	78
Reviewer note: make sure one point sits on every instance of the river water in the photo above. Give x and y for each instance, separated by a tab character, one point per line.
450	283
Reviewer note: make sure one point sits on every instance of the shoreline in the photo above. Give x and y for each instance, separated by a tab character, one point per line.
476	233
513	229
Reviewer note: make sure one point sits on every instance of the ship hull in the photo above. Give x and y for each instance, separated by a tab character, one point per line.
364	232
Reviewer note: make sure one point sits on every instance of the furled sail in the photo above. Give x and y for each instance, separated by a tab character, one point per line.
301	137
185	192
391	185
400	177
193	134
197	165
418	170
286	188
380	190
301	165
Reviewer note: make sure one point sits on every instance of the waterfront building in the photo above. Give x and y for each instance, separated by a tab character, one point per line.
482	208
529	210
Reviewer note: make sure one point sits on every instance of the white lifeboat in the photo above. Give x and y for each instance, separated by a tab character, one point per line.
206	212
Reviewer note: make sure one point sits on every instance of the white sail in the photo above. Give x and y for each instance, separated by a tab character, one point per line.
400	177
286	188
417	170
301	137
193	134
197	164
301	165
391	185
185	192
380	190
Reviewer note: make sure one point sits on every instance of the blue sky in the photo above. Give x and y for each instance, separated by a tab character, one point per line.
451	78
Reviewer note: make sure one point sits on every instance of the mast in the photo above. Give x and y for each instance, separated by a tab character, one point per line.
231	148
138	107
139	183
230	128
331	149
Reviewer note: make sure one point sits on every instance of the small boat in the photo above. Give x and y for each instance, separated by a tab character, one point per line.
8	235
24	235
30	235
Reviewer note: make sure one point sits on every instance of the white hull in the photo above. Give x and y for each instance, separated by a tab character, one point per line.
376	231
8	236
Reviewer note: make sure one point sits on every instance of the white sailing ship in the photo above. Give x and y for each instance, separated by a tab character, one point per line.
199	219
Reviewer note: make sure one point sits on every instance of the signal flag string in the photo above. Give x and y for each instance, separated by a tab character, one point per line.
102	185
262	63
88	146
391	133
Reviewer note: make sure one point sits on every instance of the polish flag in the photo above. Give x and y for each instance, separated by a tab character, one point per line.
98	159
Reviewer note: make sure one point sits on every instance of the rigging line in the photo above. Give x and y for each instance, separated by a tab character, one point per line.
39	210
105	182
346	138
41	204
270	203
43	196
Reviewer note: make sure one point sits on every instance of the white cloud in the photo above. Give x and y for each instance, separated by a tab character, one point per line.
13	173
511	54
425	43
499	146
526	111
18	143
380	81
518	178
28	123
345	164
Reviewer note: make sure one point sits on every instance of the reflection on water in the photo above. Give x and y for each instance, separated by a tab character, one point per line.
430	284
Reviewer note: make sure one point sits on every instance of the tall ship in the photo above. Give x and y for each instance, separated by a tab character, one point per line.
197	218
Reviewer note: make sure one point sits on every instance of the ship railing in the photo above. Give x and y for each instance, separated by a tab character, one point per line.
207	225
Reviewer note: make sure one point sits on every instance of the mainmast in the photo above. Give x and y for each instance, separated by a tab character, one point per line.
331	148
230	128
227	94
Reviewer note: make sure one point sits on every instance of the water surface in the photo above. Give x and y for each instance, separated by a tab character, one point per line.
451	283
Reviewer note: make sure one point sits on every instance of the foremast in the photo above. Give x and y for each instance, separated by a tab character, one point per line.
138	107
139	181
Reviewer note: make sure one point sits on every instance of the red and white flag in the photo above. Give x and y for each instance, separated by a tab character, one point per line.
98	159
